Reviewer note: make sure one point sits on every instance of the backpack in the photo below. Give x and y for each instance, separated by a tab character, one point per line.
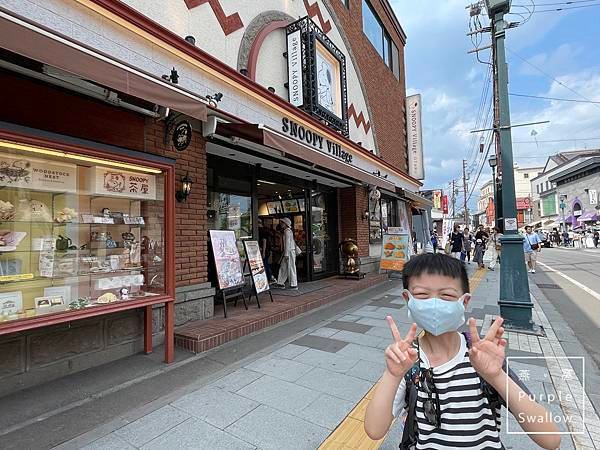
410	432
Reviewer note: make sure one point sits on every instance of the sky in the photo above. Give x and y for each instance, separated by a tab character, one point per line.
563	47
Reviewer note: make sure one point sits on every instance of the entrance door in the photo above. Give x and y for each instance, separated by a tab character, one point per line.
324	233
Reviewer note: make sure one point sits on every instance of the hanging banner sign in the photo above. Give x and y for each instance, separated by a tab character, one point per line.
257	267
593	193
437	199
37	174
415	137
295	74
120	183
395	251
445	204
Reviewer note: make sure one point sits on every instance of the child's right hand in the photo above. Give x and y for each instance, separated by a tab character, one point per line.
400	355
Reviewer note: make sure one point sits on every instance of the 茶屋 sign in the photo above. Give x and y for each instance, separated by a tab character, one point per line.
315	140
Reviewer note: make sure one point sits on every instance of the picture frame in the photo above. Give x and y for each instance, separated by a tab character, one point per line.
228	263
49	304
275	207
11	302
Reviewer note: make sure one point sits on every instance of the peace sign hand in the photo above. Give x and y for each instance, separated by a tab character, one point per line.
487	354
399	355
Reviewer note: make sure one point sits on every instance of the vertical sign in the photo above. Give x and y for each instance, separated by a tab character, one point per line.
593	196
415	137
295	77
445	204
437	199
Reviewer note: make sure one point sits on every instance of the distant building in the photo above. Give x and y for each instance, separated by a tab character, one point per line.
523	177
485	205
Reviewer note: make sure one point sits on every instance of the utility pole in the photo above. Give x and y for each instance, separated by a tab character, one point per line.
465	192
499	222
515	301
454	199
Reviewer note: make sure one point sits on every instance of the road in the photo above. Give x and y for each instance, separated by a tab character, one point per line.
570	278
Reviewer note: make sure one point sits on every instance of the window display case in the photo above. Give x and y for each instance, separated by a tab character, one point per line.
81	235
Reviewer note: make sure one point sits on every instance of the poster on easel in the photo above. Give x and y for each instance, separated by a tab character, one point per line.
395	251
228	263
257	267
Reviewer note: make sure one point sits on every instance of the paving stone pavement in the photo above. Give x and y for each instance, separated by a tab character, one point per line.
298	392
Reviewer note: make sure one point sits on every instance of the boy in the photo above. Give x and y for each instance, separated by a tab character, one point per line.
453	408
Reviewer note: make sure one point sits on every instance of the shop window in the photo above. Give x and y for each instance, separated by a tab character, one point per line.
380	38
230	212
375	235
77	233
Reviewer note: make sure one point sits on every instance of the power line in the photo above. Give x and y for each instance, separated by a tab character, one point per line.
562	3
551	77
554	98
565	9
557	140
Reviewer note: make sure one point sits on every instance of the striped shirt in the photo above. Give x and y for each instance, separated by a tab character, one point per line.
467	419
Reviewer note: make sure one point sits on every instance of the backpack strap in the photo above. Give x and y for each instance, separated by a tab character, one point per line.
410	432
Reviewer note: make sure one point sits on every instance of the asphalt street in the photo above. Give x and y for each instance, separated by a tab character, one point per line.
570	278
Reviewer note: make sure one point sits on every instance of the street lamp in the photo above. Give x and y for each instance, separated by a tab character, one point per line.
515	301
562	209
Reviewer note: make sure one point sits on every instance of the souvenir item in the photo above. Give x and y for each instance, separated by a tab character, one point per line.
9	240
127	236
109	297
66	215
7	211
80	303
110	242
63	243
106	212
33	210
49	304
124	293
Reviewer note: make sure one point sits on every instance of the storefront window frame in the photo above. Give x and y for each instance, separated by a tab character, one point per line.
88	149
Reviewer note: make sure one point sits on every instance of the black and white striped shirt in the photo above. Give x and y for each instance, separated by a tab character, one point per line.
467	419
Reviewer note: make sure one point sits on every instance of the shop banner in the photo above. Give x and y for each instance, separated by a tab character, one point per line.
121	183
395	251
415	137
437	199
37	174
257	267
445	204
228	263
593	193
447	226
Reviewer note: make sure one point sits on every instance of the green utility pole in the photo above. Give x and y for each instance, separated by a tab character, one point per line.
515	301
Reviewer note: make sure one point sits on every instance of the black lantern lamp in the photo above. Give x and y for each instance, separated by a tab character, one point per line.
186	188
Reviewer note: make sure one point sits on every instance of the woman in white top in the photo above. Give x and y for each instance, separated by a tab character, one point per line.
287	269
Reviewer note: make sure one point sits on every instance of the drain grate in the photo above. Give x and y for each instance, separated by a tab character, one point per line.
548	286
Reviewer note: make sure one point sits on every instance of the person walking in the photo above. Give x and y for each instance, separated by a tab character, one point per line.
565	236
434	241
531	247
287	269
478	254
467	245
456	242
494	247
265	241
596	238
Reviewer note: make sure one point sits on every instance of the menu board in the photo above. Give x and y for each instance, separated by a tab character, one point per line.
257	267
227	258
275	207
395	251
290	206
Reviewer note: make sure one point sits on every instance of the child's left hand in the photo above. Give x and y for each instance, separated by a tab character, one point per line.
487	354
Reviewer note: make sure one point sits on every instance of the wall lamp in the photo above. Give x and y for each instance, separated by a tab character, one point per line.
173	78
191	40
186	188
214	99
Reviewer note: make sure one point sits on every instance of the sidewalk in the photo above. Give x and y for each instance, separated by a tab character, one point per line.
311	389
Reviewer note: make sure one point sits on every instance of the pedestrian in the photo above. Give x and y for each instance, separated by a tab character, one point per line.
531	247
565	238
482	234
556	237
448	384
494	247
467	245
478	254
434	241
287	269
456	242
265	241
596	238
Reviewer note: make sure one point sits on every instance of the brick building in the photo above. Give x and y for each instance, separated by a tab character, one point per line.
223	113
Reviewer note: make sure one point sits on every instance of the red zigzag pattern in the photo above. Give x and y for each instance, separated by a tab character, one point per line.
359	119
314	10
229	24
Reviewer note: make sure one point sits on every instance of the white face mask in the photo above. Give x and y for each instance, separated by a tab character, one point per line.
435	315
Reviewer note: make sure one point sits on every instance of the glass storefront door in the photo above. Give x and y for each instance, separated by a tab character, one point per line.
324	233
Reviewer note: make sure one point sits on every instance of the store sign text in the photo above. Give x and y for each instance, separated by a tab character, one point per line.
315	140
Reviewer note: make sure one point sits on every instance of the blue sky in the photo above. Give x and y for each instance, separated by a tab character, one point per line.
564	45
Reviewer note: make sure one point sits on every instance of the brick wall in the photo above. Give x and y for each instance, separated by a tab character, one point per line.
385	94
353	203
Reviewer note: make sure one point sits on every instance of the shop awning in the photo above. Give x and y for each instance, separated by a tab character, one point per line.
417	200
269	138
31	40
589	216
571	219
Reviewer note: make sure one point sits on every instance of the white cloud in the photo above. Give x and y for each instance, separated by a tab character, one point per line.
561	60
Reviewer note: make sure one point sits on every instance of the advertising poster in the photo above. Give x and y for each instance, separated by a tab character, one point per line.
227	258
257	268
121	183
274	208
395	251
37	174
290	206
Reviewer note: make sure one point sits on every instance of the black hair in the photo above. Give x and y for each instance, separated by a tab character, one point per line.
435	264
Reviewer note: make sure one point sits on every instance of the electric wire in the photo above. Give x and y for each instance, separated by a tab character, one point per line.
554	98
565	9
